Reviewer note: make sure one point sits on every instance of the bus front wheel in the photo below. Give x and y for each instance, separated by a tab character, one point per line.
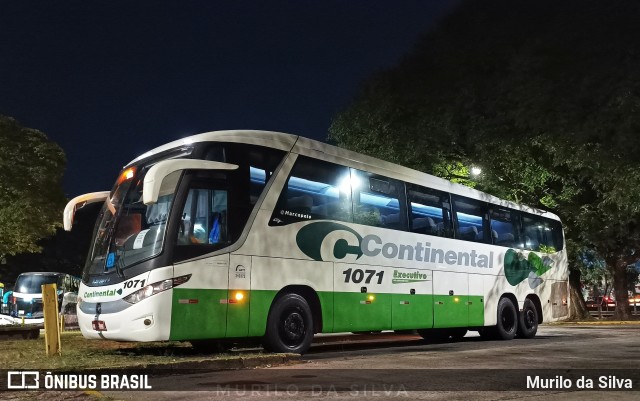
289	325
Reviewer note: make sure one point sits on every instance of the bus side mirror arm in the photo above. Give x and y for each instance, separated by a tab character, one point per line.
77	203
157	173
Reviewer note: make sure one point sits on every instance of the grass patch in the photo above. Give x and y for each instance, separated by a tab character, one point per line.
80	353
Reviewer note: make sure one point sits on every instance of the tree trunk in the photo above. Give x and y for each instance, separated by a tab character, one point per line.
578	308
620	287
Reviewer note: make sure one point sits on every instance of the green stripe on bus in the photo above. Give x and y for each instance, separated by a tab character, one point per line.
412	311
354	311
211	313
198	314
260	303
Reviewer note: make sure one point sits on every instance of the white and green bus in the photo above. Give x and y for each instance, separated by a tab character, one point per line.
234	234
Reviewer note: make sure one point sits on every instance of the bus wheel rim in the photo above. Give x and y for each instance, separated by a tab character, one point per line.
293	328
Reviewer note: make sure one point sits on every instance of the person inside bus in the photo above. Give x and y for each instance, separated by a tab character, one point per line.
218	233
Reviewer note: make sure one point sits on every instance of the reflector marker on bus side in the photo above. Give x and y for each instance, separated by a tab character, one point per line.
187	301
404	302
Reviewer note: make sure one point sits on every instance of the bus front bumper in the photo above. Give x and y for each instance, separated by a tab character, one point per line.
147	320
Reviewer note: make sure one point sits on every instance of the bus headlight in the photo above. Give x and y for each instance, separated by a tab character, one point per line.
155	288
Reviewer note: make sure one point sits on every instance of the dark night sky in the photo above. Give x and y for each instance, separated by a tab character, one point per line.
109	80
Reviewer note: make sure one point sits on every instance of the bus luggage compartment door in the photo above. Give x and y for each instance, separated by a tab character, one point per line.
450	294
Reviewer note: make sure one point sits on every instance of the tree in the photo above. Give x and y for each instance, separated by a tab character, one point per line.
31	194
543	95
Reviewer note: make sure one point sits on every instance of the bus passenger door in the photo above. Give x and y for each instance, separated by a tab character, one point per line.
450	294
239	296
362	302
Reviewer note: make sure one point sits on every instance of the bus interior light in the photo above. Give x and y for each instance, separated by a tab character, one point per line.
347	183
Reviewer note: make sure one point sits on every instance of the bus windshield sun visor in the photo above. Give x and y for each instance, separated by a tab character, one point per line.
77	203
154	178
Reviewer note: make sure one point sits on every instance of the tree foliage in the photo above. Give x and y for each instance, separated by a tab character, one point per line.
31	195
543	95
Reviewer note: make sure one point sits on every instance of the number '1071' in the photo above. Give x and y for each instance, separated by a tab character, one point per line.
358	275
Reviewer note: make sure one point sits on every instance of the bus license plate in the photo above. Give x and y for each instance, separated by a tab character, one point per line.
99	325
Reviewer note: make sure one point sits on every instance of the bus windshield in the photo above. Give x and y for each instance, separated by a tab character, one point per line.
32	283
128	231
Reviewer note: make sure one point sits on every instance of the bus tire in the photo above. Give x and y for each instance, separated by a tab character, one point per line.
528	320
507	326
289	325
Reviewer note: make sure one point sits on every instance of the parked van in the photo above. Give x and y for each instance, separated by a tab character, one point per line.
26	300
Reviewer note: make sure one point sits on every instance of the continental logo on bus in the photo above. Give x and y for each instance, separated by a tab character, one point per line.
105	293
517	266
310	238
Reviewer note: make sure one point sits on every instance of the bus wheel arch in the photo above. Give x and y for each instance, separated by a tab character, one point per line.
536	302
292	320
529	317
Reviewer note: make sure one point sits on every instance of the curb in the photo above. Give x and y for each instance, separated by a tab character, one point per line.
15	332
597	323
231	363
227	364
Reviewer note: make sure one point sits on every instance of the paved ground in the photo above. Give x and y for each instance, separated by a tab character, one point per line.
391	366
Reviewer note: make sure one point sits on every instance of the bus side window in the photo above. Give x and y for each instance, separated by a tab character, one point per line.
505	228
541	234
204	218
258	178
554	235
533	230
376	201
315	190
429	211
471	221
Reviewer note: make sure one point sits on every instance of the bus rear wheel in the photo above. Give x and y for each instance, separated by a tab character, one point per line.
507	320
528	320
289	325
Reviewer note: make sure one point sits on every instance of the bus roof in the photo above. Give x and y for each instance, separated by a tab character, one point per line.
309	147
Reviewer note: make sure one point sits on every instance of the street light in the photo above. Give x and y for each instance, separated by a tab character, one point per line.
475	171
